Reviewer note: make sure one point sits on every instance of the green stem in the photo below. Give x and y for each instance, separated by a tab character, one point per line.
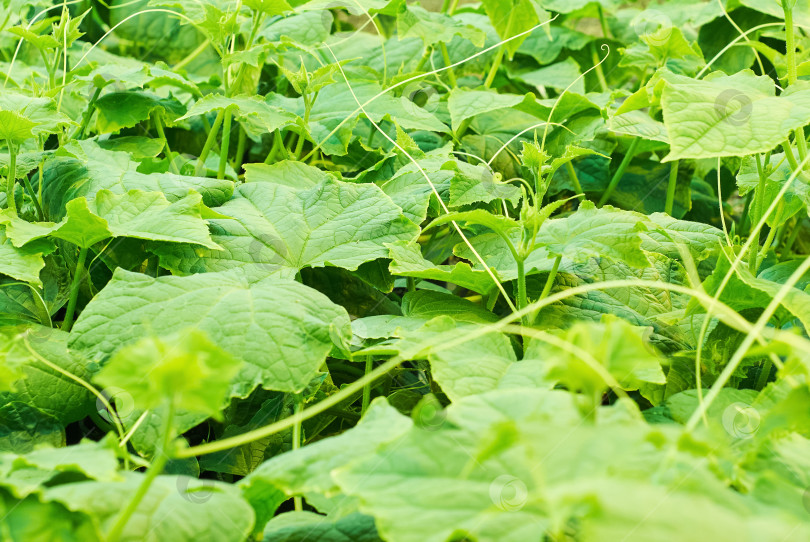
367	387
522	299
463	128
790	42
424	59
34	198
780	232
88	114
764	373
793	77
551	276
451	75
801	143
278	143
745	224
209	143
51	76
768	240
453	7
794	234
41	169
619	172
226	142
445	6
162	135
240	149
299	144
673	182
603	21
350	391
572	174
760	208
161	458
74	290
296	440
492	298
495	65
794	165
11	178
411	284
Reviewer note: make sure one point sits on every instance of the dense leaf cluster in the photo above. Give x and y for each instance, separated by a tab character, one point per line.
368	270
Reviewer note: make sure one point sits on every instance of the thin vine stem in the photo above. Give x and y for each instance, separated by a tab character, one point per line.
162	456
67	323
728	315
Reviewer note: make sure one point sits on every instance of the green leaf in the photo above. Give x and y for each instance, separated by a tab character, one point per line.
23	263
730	115
336	105
15	127
142	215
639	124
616	347
87	168
200	509
292	327
668	236
546	43
269	7
256	116
31	520
308	470
475	184
433	27
24	427
592	232
184	369
42	387
27	116
777	171
511	17
295	526
286	172
559	76
276	229
473	367
29	473
118	110
409	189
745	291
497	223
639	305
464	104
486	449
428	304
407	261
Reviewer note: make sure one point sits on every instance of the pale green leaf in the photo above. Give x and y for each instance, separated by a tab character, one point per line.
184	369
464	104
730	115
280	329
276	229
